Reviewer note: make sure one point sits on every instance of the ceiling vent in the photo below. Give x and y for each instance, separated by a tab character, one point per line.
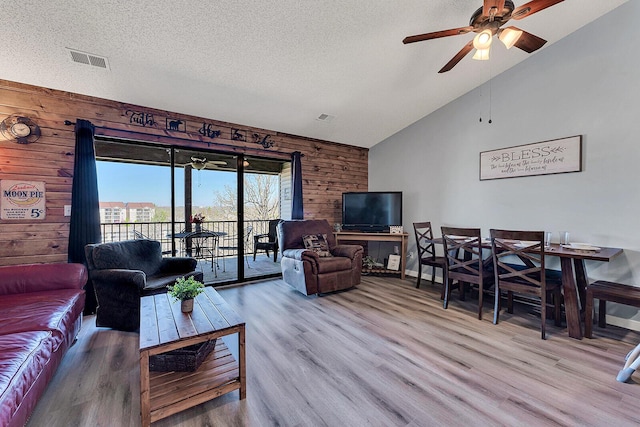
325	118
89	59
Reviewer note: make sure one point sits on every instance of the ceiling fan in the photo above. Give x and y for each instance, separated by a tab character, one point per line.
201	163
487	22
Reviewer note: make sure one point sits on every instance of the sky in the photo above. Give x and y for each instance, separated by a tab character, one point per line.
124	182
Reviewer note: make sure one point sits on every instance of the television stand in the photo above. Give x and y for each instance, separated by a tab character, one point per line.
402	238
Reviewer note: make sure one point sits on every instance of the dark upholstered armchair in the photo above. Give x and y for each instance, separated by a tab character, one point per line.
124	271
309	272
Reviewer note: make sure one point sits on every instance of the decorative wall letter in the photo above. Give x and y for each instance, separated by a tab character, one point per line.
140	118
238	135
176	124
208	131
265	142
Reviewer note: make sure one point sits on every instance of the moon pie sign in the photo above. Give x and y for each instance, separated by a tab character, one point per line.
23	200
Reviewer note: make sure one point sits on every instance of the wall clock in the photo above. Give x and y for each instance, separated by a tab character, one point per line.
21	129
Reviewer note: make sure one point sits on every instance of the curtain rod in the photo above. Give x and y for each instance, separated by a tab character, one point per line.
217	145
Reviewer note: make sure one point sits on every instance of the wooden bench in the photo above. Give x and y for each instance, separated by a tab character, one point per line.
607	291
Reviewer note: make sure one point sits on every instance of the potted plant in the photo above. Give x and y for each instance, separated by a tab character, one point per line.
186	290
368	262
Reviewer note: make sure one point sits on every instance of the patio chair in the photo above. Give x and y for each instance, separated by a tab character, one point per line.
204	245
271	242
139	235
229	246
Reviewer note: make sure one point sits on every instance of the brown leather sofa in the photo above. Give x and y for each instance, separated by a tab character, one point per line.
309	273
40	316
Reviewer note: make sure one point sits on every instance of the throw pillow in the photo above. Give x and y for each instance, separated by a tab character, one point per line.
317	243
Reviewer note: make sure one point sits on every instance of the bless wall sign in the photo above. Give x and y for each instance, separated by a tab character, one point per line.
542	158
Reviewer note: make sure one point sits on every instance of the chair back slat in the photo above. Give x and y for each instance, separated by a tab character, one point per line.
463	251
465	261
528	276
424	240
426	247
527	247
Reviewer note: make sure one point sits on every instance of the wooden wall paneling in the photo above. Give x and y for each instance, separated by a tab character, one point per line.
328	168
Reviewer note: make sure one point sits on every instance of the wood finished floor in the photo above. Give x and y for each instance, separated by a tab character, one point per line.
384	354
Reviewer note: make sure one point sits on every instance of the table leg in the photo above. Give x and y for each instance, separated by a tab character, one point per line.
581	281
242	363
403	255
145	396
571	301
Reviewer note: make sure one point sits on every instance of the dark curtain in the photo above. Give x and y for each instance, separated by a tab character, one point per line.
85	209
297	212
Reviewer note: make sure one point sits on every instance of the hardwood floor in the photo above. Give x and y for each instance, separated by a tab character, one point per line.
383	354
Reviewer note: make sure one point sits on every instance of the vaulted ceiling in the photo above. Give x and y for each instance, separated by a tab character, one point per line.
275	65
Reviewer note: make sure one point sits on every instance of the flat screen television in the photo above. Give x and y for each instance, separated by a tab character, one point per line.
371	211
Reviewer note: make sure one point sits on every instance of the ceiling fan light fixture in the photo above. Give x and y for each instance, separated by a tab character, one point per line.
509	36
481	55
198	164
482	41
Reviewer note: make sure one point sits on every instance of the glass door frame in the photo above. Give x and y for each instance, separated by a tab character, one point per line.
139	146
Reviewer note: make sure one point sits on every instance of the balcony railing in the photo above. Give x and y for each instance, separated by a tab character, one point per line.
161	231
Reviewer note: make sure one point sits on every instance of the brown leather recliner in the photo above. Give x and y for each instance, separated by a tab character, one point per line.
309	273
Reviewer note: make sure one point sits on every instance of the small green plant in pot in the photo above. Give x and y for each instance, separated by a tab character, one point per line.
186	290
368	262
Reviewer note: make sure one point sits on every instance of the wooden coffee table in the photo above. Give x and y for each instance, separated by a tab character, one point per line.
163	327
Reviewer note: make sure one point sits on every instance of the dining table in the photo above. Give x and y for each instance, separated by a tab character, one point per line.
575	280
574	276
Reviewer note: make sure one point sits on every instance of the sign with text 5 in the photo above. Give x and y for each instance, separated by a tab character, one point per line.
22	200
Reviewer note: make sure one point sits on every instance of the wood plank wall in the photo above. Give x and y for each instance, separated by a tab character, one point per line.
328	169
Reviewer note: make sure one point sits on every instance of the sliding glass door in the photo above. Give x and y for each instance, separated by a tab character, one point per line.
262	205
208	205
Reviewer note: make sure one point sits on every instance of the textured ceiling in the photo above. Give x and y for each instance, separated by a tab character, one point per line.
271	64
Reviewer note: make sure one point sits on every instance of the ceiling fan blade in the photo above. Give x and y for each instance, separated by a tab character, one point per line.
489	5
458	57
532	7
528	42
437	34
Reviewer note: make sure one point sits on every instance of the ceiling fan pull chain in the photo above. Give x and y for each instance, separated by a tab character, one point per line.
482	97
490	98
480	90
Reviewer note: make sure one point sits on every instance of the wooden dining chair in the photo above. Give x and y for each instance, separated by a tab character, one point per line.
465	262
519	266
427	252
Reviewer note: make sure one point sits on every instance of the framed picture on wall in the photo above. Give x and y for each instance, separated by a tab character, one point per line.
542	158
22	200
